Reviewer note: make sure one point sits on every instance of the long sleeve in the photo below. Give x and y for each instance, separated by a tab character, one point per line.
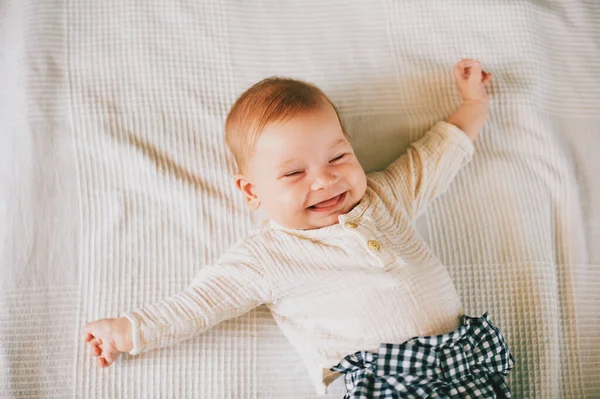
426	169
231	287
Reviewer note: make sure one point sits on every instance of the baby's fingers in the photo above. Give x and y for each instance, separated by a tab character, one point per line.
90	332
466	63
110	357
475	73
461	70
487	76
107	358
95	347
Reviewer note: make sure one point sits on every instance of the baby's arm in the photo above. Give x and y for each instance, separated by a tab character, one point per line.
228	289
430	164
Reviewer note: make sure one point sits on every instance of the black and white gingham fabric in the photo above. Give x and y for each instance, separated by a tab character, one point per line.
469	362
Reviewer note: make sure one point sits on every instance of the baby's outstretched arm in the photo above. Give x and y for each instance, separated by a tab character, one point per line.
233	286
472	83
430	164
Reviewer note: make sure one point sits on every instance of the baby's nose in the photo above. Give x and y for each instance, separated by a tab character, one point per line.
324	180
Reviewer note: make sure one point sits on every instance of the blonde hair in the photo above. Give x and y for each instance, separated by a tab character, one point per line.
271	100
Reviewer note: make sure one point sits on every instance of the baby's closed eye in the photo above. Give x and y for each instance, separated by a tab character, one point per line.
294	173
339	157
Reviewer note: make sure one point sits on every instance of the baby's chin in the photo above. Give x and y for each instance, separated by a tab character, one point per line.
309	222
319	222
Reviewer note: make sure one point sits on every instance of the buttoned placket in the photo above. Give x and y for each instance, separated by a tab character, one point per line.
364	230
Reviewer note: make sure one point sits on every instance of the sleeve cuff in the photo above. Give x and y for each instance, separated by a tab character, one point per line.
135	332
455	135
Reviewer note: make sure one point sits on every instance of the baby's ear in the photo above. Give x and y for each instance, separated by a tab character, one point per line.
247	188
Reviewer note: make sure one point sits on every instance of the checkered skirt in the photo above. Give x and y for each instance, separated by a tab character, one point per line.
469	362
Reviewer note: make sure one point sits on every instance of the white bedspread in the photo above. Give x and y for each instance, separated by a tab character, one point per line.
115	182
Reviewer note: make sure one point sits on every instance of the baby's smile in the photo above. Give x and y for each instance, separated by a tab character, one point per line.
330	204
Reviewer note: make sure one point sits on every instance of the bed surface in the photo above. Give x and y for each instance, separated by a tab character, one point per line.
116	185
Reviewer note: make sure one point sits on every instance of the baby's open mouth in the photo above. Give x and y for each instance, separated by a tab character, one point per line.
329	204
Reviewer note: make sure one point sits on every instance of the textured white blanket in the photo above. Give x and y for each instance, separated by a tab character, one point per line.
115	182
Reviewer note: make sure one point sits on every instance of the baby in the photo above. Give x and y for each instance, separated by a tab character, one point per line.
338	261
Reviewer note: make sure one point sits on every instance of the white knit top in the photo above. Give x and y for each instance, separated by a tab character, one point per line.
333	291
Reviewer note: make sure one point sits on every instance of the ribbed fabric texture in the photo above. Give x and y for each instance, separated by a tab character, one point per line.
115	181
332	293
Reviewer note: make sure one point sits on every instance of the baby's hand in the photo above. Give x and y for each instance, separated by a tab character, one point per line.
472	81
108	338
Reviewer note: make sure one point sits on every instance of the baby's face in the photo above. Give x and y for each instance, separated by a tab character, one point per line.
303	172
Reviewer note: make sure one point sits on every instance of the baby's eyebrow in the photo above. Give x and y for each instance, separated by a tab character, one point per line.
286	162
339	141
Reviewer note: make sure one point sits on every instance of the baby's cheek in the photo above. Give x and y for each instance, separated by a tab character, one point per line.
359	180
290	200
